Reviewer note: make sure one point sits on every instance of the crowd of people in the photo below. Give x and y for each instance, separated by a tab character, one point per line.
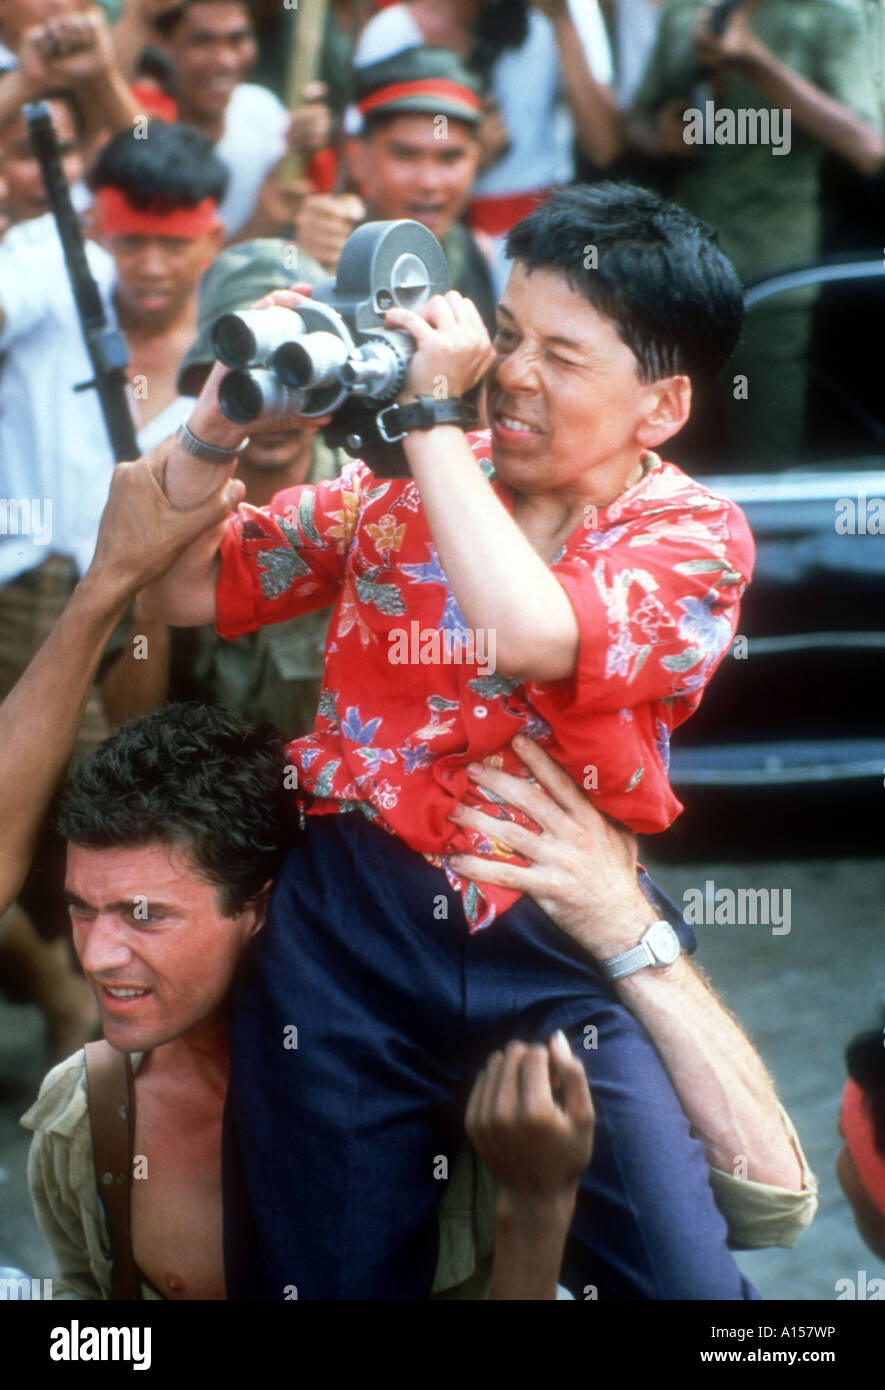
335	1011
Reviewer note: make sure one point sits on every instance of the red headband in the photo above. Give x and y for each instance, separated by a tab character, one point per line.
426	87
116	216
857	1127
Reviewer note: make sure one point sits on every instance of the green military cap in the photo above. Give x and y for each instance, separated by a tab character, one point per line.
432	80
236	280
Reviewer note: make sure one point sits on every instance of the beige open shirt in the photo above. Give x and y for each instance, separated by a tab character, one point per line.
62	1182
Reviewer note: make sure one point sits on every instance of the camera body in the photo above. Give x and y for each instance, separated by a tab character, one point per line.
333	355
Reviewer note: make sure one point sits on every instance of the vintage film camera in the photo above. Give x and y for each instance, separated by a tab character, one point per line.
333	355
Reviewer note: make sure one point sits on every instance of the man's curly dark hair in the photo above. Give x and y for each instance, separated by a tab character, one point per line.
196	777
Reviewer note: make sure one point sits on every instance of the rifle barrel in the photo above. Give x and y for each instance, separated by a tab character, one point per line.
106	346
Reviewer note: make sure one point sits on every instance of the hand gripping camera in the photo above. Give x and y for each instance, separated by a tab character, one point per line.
333	355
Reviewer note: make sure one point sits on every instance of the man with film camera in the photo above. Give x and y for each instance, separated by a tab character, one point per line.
606	635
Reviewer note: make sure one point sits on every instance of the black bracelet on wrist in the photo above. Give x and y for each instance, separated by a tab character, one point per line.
425	413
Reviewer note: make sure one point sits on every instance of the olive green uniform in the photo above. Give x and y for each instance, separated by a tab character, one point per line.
470	272
765	206
872	14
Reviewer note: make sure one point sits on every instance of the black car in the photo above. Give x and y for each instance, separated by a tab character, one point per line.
789	740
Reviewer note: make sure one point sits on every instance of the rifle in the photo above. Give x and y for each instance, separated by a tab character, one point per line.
106	346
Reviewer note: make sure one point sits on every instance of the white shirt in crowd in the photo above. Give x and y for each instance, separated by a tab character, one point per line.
527	84
54	446
254	140
636	24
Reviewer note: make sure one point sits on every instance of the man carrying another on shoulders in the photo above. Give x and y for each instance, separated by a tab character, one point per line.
176	827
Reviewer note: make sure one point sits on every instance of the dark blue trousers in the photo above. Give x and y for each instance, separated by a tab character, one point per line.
359	1026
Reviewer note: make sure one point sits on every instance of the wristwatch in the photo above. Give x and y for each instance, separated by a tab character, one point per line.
209	453
658	946
425	413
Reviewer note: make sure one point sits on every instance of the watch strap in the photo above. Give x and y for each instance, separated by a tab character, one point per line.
425	413
628	962
636	958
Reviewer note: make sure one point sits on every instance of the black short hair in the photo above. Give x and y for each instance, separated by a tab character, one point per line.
658	273
170	165
865	1060
170	19
192	776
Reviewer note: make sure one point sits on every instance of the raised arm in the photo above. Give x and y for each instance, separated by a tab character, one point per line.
594	109
500	581
819	114
140	534
582	872
72	51
185	595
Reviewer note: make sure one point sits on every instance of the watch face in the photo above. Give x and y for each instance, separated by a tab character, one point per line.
664	942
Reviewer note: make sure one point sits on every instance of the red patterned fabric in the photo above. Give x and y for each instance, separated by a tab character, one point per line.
655	584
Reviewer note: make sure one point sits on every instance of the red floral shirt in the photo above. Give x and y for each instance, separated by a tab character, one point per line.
410	696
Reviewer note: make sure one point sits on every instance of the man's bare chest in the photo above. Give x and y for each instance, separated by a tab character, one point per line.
176	1197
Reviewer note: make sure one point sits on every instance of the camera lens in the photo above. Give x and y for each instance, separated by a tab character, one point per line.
245	395
233	341
312	361
241	340
240	397
294	365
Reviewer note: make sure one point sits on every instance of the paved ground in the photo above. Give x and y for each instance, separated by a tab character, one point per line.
800	995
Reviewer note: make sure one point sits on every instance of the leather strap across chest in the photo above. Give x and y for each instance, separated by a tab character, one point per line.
111	1089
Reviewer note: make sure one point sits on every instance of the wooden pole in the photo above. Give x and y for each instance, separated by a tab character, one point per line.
303	68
